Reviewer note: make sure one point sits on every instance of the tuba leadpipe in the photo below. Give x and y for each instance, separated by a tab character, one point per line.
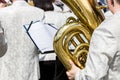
77	32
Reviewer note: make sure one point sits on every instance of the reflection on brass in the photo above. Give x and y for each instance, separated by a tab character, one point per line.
72	40
31	2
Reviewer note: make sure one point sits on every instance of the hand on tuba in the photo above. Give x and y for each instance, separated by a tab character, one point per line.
72	72
77	32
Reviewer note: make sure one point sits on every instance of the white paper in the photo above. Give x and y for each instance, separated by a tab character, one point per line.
42	35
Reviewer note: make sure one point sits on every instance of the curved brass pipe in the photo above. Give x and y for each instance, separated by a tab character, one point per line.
77	32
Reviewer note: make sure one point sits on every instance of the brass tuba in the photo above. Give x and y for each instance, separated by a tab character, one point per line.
30	2
72	40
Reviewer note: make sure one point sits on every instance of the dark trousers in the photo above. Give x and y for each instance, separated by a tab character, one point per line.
52	70
47	70
60	71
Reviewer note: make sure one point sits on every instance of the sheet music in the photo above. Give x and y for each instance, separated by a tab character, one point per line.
42	35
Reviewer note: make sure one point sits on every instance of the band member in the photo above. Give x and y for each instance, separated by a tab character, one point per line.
51	68
21	59
103	59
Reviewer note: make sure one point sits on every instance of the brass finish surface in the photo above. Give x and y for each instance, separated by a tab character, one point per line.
72	40
31	2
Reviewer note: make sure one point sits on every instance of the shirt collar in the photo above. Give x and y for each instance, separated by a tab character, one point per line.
20	3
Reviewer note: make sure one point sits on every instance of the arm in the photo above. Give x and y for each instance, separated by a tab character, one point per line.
101	52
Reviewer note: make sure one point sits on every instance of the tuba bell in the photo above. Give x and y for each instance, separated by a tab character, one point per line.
72	40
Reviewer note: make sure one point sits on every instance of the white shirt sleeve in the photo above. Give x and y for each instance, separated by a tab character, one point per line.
101	52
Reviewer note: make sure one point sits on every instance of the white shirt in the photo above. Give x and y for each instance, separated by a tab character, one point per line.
21	59
58	19
103	62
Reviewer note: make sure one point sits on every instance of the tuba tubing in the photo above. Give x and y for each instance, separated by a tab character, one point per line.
77	32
